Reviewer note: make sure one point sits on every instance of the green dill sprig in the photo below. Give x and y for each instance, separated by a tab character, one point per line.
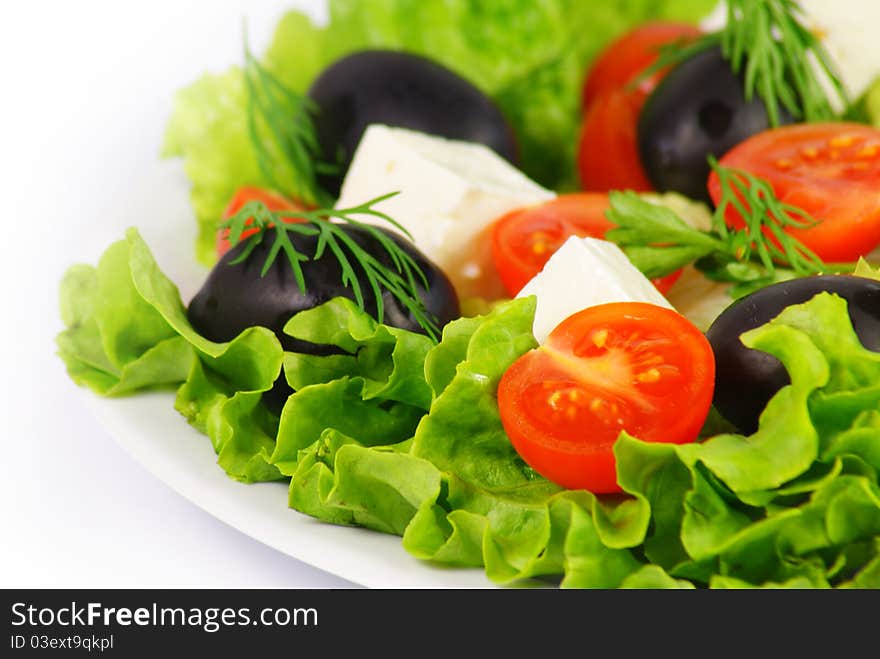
283	134
765	218
658	242
655	239
403	280
769	42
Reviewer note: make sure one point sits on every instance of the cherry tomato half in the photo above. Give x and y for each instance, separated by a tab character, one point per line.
525	239
608	156
627	366
273	201
830	170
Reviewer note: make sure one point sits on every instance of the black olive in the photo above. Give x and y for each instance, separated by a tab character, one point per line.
235	296
698	109
746	379
400	90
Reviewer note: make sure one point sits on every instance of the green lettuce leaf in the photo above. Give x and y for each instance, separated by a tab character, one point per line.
654	577
868	573
528	533
365	405
250	362
114	341
241	428
127	330
379	488
403	437
389	361
339	405
462	433
771	509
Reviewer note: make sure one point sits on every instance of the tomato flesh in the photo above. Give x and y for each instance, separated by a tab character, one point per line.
623	61
273	201
525	239
624	366
830	170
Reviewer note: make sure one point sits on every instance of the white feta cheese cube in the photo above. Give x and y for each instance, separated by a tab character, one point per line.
585	272
450	192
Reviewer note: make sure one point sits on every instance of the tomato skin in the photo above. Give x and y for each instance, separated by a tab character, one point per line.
245	194
608	156
830	170
625	366
523	240
626	57
664	283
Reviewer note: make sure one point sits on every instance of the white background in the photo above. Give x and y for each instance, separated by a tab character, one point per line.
86	89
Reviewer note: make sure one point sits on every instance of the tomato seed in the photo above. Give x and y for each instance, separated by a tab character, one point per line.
843	141
649	376
869	151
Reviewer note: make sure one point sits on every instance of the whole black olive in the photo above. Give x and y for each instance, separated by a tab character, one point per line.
746	379
400	90
236	296
698	109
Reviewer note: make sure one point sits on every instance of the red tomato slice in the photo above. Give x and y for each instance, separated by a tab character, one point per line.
525	239
627	366
608	153
608	156
621	62
273	201
830	170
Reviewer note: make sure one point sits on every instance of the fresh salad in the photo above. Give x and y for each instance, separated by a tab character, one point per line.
563	291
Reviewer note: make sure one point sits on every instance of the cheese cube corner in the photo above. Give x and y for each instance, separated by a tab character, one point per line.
585	272
449	194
